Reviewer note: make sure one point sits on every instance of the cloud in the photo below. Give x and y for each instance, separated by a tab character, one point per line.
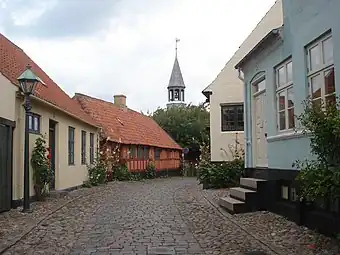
58	18
128	46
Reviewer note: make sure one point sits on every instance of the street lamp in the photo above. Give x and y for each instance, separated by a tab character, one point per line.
27	81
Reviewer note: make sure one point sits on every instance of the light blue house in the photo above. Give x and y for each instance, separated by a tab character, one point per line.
291	62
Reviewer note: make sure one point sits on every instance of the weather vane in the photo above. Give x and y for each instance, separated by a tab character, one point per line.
177	40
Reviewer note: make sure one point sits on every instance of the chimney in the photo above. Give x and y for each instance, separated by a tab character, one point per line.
120	100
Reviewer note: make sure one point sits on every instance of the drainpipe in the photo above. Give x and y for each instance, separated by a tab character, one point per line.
245	124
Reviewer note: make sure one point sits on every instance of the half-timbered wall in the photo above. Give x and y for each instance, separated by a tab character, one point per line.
137	157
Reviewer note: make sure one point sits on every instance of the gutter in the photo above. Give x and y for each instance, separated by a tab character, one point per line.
272	34
59	109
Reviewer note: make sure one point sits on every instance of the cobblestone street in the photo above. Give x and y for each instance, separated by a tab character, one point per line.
162	216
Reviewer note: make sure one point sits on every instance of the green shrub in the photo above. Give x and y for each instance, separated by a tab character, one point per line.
97	172
150	172
320	177
41	167
121	173
221	175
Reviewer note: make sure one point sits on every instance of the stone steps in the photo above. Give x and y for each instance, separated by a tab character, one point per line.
243	199
232	205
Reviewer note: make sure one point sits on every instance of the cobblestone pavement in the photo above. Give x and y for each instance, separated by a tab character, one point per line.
14	224
142	218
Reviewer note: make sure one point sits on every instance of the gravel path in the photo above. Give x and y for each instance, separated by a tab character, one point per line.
162	216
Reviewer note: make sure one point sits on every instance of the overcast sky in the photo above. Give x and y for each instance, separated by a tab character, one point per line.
108	47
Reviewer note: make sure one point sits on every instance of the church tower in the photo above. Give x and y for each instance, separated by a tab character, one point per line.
176	87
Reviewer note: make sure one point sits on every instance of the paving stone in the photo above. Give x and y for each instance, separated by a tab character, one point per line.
161	251
163	215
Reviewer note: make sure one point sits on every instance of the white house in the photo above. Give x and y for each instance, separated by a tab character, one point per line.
226	93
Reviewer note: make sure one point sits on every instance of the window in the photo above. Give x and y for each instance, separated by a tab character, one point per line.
232	118
285	96
176	97
284	192
71	145
157	154
146	152
83	147
91	148
132	151
259	86
140	152
34	123
321	78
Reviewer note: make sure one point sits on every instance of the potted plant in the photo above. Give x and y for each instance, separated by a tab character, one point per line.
41	168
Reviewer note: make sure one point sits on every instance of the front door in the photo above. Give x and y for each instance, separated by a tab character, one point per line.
5	167
52	153
261	159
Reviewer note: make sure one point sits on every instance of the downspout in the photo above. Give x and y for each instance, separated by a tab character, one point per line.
245	125
249	131
245	95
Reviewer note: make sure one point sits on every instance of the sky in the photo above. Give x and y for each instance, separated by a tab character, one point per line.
108	47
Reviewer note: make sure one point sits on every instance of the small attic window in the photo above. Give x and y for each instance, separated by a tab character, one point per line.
120	122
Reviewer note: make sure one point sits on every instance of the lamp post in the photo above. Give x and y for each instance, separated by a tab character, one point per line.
27	81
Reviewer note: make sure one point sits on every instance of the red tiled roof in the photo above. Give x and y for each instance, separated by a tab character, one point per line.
125	125
13	61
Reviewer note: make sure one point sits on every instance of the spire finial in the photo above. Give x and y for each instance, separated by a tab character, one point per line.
177	40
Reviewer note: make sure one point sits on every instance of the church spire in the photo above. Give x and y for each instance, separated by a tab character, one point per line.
176	84
176	78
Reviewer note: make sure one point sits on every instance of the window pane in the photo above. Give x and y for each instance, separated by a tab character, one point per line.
291	121
281	76
282	120
36	123
290	97
259	86
316	86
282	100
329	81
314	57
327	51
289	71
30	122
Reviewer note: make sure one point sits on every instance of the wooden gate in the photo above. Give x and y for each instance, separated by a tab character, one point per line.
6	132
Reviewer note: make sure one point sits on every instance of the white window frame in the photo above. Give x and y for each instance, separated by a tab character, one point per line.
321	69
283	88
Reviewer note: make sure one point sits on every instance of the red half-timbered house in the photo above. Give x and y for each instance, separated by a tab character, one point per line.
139	138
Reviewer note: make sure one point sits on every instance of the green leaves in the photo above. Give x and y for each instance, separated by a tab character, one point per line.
187	125
40	164
219	175
320	177
150	172
97	171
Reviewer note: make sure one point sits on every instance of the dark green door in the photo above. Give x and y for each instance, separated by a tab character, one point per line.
5	168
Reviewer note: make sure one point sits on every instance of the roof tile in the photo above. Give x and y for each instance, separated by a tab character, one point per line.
13	61
125	125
